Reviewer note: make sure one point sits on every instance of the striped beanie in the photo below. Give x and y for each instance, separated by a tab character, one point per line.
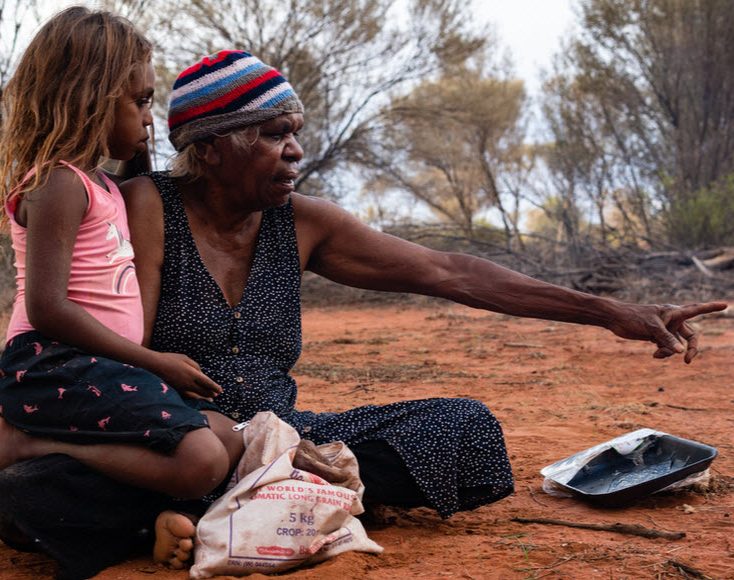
226	91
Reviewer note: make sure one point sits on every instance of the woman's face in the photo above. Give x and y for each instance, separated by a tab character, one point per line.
266	173
133	116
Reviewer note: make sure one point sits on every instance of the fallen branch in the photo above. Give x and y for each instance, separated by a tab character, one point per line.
723	261
631	529
702	267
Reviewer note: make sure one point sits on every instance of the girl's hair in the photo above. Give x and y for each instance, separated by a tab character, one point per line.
60	102
188	164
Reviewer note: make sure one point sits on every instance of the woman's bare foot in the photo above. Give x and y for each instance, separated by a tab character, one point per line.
174	539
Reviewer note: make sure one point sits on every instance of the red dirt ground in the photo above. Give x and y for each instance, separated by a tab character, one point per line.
557	389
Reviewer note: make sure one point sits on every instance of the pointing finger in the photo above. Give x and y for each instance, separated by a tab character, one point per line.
692	310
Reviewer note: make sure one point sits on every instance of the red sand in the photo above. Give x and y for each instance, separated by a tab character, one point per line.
557	389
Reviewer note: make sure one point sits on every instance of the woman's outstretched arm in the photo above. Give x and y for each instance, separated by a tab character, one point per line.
338	246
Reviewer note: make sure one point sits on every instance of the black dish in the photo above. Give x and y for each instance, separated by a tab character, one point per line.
613	480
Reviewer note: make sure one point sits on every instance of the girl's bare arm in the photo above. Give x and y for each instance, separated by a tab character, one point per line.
52	215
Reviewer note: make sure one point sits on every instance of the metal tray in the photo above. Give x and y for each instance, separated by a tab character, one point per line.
613	479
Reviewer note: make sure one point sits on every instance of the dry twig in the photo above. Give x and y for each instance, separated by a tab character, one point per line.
681	408
632	529
688	571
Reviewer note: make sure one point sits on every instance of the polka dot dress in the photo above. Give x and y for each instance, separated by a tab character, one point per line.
249	348
450	446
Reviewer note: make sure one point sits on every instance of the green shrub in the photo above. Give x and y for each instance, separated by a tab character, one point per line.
705	218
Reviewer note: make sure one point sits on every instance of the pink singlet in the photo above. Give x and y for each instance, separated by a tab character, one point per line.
102	278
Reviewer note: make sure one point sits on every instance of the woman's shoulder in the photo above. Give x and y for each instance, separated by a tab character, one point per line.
315	208
146	180
141	193
312	211
317	220
151	182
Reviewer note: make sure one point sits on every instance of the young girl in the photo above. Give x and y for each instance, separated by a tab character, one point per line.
74	378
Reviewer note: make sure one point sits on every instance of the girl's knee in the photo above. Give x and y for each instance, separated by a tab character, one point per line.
203	463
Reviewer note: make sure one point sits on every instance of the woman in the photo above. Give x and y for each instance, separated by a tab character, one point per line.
221	243
222	240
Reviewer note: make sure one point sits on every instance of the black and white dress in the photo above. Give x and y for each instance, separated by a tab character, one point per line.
453	448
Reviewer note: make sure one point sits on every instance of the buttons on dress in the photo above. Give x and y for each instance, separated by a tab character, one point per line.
235	349
239	380
237	315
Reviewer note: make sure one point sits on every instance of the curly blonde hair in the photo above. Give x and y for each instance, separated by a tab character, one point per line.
59	104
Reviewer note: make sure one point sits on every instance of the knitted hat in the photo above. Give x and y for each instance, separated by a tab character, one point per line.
225	91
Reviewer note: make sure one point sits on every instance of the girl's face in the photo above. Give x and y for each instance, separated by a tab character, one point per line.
133	116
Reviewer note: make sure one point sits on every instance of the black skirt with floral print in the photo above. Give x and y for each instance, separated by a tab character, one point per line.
49	389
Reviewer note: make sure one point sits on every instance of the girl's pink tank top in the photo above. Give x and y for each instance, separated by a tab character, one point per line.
102	278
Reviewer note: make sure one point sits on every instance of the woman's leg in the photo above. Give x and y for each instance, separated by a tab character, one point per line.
386	477
77	516
174	531
448	454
